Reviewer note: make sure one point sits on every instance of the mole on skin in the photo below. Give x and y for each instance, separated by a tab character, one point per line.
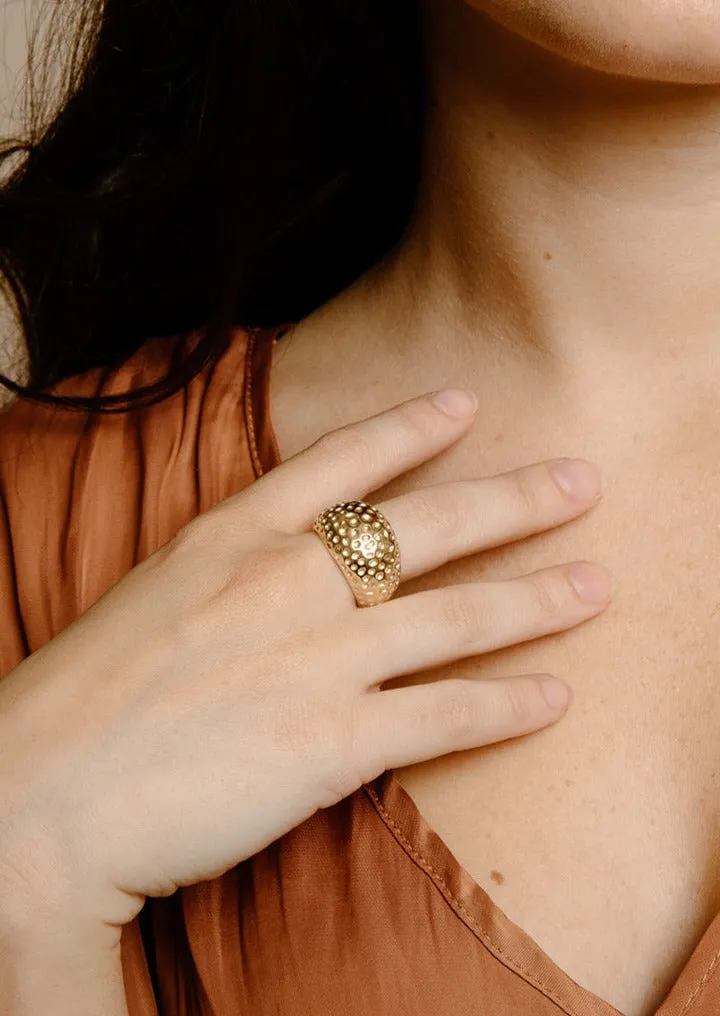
497	877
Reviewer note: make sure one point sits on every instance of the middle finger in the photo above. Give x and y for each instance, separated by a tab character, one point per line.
446	521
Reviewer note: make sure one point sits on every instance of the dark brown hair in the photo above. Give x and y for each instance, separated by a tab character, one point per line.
213	163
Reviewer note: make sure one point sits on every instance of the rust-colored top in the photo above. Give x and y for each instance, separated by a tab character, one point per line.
360	911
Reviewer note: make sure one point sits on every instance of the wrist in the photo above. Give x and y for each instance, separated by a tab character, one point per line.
60	970
39	902
45	908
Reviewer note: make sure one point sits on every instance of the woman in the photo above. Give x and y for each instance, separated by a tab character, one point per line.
559	257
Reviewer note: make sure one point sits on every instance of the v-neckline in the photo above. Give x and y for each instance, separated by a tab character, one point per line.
506	940
502	937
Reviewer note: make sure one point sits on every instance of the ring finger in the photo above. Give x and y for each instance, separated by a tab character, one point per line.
437	626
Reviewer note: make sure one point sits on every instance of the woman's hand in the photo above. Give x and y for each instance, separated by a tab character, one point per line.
228	687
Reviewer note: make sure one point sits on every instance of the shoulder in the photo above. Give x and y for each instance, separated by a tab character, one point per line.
85	497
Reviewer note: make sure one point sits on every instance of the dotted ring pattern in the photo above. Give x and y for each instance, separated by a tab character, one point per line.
363	545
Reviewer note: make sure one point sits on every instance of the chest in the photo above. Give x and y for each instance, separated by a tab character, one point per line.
600	836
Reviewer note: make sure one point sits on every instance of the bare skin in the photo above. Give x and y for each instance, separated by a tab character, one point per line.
563	262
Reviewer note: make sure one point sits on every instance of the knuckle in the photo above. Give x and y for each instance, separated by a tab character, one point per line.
360	757
305	568
420	417
191	541
275	568
348	444
319	738
202	534
262	578
438	512
306	728
520	701
192	534
528	492
457	710
407	629
545	596
307	550
462	614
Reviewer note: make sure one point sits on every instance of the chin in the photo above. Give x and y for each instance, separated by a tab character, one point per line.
654	40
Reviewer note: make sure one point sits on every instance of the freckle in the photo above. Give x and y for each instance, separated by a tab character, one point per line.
568	783
497	877
490	135
547	256
499	437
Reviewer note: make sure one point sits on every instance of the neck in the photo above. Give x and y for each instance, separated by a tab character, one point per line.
567	212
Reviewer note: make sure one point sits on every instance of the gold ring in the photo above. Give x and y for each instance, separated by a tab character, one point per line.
362	543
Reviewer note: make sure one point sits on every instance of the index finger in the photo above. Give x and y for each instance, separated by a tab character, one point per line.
347	463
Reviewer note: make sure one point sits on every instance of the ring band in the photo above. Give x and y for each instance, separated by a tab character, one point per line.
363	544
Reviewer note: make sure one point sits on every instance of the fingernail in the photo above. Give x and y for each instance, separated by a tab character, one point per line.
455	401
592	582
558	695
578	479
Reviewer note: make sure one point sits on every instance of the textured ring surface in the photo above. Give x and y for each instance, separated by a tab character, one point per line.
362	543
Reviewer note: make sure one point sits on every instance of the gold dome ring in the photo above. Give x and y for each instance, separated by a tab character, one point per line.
363	545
